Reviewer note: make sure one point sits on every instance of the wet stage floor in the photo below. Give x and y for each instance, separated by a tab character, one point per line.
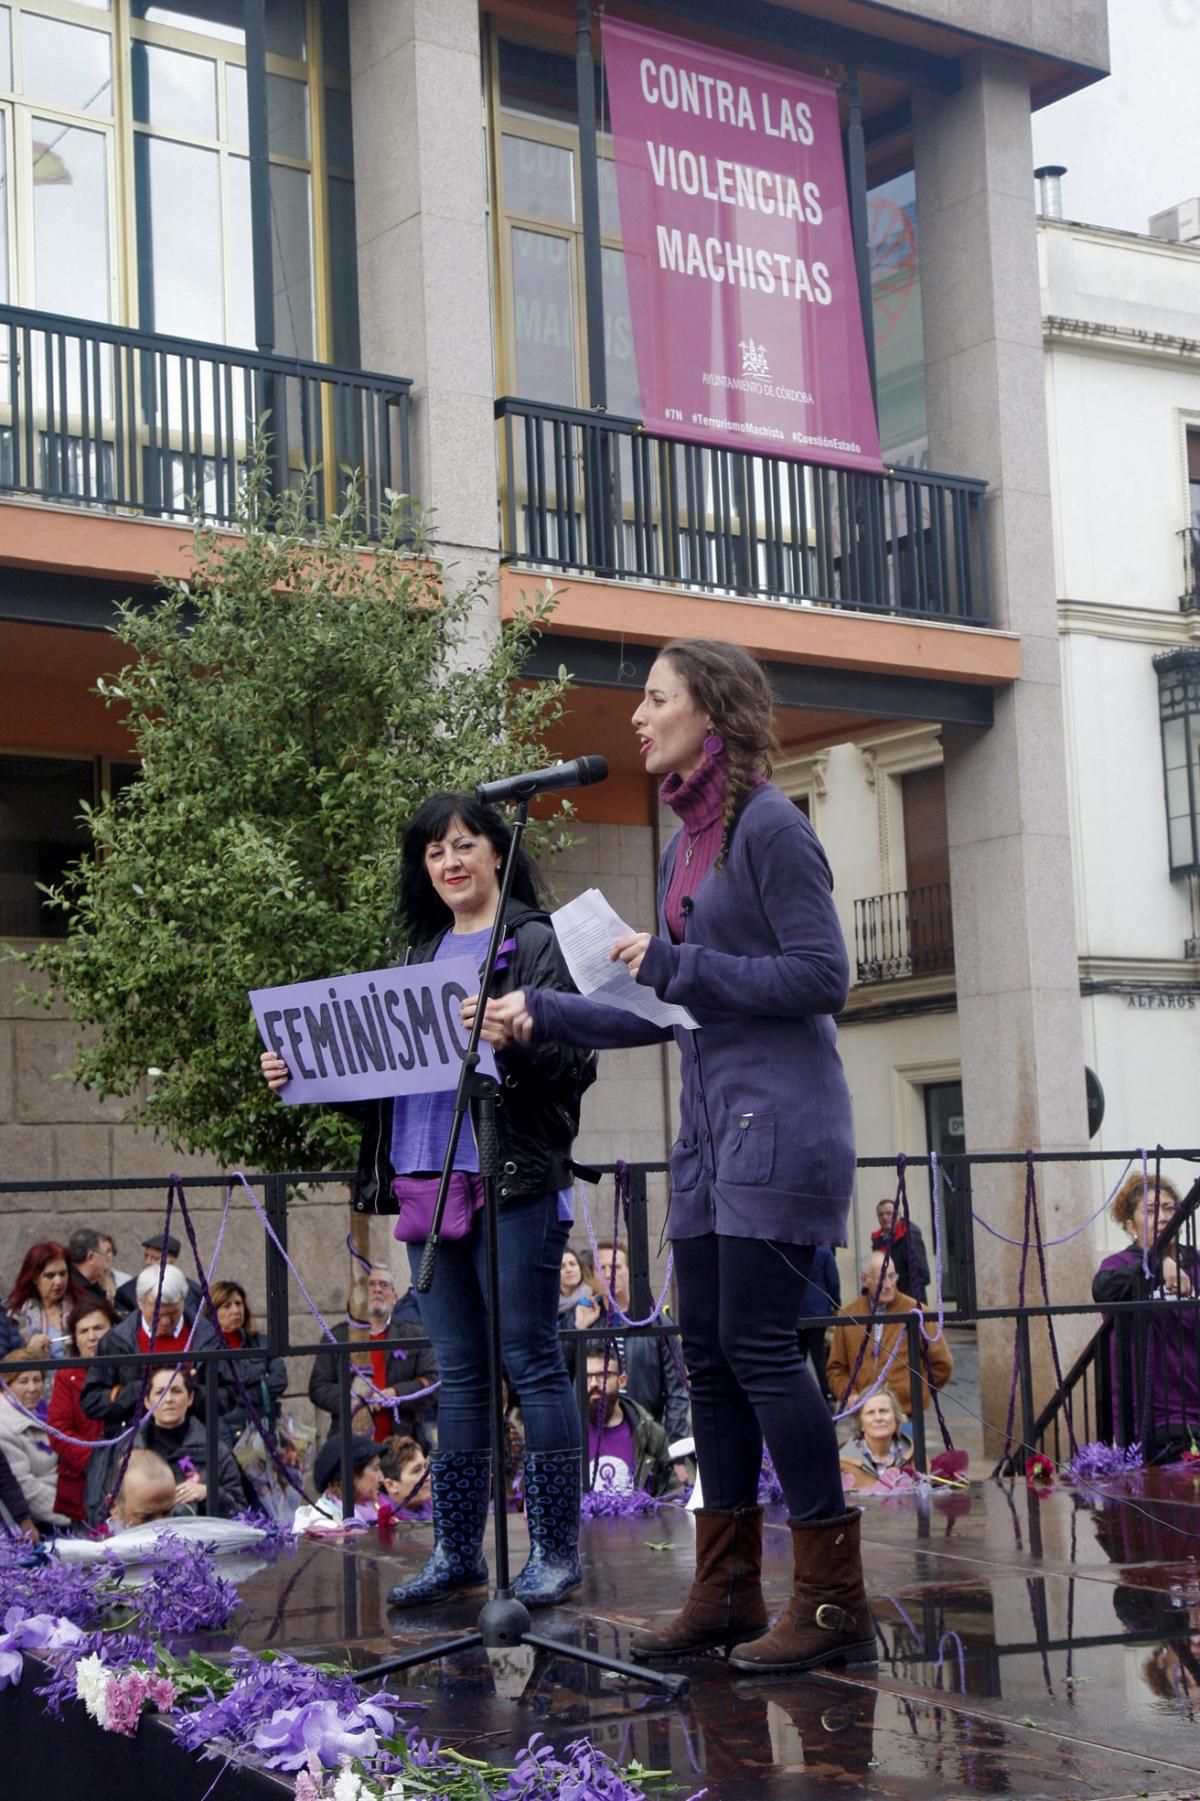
1028	1646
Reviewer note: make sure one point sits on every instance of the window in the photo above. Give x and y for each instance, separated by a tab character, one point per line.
926	843
541	353
41	833
156	232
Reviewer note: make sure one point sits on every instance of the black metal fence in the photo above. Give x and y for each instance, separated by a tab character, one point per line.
595	493
909	932
96	415
1105	1395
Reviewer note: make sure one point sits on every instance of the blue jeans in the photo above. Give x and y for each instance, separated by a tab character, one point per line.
454	1313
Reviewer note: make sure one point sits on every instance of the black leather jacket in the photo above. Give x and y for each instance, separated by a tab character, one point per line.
542	1085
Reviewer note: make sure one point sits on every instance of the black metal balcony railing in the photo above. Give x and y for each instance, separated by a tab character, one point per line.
598	494
1189	599
908	933
102	416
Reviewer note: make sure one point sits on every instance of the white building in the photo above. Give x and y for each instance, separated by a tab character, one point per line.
1121	318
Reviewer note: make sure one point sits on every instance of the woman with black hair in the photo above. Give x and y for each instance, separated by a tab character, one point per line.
453	852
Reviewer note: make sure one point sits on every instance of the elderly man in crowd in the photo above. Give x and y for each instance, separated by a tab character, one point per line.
114	1382
392	1375
125	1299
881	1329
147	1493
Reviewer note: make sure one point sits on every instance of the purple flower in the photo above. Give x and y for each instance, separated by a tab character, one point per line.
31	1632
1100	1462
293	1732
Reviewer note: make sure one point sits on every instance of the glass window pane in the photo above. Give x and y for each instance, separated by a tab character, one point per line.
285	29
291	260
237	122
175	91
343	260
542	317
180	258
335	35
211	18
339	134
537	83
539	179
624	395
40	834
287	117
241	261
70	219
66	65
4	290
610	212
5	49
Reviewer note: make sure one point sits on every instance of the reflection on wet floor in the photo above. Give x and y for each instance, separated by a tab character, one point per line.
1028	1645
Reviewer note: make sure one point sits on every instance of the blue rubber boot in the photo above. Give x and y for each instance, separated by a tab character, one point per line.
552	1483
461	1482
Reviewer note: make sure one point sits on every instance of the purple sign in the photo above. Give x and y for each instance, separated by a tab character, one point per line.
386	1031
739	256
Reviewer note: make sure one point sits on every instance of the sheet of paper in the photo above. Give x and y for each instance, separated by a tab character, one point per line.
585	929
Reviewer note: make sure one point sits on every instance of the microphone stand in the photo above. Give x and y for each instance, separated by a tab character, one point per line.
504	1619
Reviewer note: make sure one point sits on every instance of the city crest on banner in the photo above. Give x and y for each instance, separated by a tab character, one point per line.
739	254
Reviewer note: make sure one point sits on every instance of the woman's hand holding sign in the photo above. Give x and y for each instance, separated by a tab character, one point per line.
506	1019
276	1073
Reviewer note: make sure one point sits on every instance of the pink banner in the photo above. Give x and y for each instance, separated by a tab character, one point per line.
738	251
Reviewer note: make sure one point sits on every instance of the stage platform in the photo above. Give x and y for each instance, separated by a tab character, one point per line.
1029	1646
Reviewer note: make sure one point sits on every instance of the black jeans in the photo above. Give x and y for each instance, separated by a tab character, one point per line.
739	1301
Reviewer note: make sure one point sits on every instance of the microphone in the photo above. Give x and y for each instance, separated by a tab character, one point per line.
581	772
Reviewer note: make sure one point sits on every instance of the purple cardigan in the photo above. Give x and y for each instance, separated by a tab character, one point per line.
766	1143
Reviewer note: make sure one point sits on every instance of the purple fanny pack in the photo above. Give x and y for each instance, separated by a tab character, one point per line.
417	1196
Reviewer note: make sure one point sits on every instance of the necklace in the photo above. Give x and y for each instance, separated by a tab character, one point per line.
691	845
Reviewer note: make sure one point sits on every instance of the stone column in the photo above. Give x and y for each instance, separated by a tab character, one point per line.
423	261
1006	789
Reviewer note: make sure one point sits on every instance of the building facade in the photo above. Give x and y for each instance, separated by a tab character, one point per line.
425	190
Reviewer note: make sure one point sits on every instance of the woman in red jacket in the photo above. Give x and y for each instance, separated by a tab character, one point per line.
90	1321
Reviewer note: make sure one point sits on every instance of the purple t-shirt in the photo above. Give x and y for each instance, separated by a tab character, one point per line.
421	1122
612	1457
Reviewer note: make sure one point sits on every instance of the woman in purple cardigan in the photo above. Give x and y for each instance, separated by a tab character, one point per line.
761	1173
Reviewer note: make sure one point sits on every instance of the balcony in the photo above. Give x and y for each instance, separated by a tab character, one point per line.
593	494
131	422
906	933
1189	599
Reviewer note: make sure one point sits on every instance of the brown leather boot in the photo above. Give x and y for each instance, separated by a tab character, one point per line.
827	1619
725	1606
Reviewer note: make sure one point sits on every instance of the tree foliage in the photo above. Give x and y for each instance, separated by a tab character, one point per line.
292	701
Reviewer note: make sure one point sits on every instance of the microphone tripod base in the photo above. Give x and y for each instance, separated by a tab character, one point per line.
503	1621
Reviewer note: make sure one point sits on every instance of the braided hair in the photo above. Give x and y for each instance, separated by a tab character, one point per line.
727	683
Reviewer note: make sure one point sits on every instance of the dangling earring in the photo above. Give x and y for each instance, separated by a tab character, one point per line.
714	744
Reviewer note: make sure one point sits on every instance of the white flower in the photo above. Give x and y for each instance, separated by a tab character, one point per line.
91	1686
350	1787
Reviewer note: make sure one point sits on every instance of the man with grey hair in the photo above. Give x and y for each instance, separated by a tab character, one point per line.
393	1375
114	1382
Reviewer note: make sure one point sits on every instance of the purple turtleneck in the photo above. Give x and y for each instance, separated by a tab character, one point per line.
699	799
